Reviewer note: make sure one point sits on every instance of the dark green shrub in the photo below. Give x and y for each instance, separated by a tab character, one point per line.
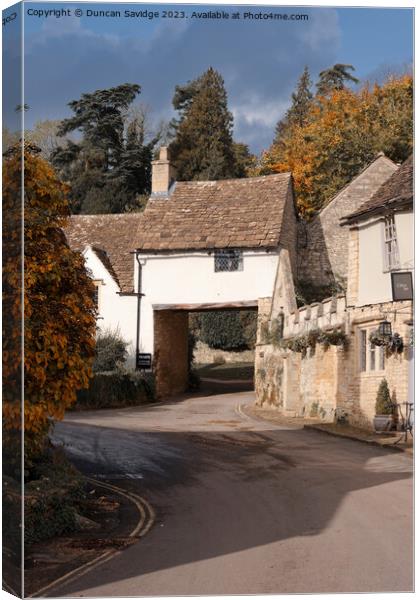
232	330
110	352
116	389
307	292
222	330
53	491
383	404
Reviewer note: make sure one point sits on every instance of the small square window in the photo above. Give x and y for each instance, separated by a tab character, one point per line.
228	260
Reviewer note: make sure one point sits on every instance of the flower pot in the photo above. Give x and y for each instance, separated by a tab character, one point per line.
382	422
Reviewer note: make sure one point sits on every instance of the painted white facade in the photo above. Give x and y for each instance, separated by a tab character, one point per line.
116	312
178	278
374	280
190	278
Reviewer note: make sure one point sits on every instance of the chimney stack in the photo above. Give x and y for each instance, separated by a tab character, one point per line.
163	173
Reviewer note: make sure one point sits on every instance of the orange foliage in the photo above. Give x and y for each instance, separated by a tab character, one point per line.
58	306
344	131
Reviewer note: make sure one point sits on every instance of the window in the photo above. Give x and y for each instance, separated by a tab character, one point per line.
391	254
371	357
228	260
96	294
363	335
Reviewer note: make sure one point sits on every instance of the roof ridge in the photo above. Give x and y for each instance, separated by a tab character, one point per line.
237	179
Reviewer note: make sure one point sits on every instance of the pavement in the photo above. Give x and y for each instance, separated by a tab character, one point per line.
244	505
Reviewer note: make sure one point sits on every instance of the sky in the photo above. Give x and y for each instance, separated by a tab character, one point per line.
260	60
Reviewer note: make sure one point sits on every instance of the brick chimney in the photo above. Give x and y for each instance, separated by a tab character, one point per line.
163	173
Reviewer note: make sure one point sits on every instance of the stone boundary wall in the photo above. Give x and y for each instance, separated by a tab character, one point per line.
203	355
327	314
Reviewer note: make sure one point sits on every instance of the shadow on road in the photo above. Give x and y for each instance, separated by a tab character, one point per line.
221	493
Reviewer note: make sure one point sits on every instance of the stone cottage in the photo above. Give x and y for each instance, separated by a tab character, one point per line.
323	359
239	244
201	245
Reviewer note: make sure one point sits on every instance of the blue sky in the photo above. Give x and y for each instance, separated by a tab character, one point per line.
260	61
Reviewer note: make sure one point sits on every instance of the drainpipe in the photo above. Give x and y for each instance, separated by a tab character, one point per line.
139	297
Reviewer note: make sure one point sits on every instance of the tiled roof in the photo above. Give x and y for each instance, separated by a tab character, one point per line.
398	189
111	238
230	213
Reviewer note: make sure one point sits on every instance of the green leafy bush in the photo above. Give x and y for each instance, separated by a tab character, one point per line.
232	330
222	330
307	292
53	492
110	351
117	389
383	404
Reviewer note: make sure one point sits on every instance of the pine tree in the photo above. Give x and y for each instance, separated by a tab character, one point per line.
301	100
335	78
203	146
298	112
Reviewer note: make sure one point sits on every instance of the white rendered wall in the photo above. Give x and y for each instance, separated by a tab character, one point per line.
374	281
189	278
115	312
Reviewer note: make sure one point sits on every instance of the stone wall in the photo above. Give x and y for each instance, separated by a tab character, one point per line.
323	243
321	381
203	355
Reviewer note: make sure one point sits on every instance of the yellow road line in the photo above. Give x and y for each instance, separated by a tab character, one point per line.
147	517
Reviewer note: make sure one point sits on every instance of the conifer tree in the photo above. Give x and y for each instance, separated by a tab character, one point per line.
203	146
335	78
111	164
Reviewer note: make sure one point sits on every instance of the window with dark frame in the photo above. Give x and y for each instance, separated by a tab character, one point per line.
228	260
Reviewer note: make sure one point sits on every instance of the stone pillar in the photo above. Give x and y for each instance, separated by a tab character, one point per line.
171	352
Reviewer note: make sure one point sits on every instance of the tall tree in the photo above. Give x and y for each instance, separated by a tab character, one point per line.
110	166
58	303
301	100
203	146
335	78
297	114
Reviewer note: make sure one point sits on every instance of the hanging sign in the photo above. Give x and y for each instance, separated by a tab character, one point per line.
402	285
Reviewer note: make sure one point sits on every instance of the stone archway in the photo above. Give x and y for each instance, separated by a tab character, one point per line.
171	326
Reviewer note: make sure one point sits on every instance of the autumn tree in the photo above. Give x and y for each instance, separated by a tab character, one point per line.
111	165
58	305
343	132
203	146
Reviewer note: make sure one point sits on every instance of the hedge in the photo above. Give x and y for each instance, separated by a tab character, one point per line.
115	389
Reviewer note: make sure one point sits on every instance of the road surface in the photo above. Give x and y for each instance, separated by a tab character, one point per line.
245	506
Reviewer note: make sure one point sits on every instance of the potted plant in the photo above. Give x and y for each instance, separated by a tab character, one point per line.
384	408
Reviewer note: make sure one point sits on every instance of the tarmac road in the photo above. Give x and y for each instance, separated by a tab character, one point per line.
244	506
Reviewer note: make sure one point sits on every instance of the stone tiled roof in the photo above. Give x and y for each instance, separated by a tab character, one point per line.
396	190
111	238
232	213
